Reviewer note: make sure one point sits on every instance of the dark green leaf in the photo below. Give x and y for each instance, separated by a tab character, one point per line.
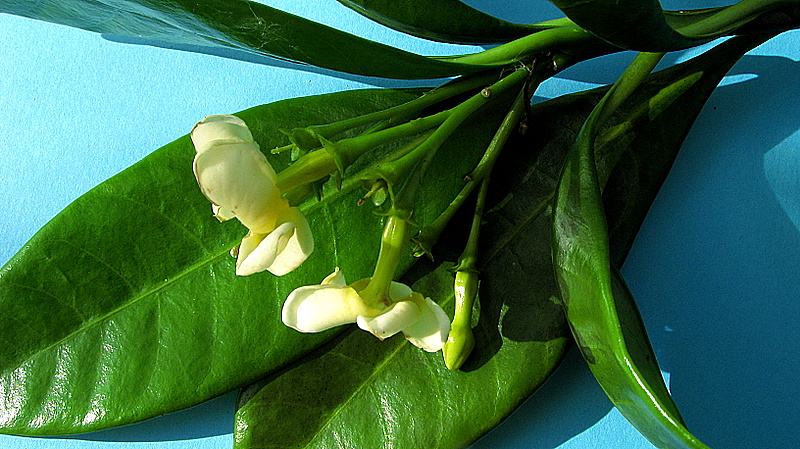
241	25
630	24
125	305
360	392
441	20
602	314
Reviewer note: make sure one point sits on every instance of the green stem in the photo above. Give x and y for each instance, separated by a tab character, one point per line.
731	17
461	341
631	78
568	36
395	235
460	113
430	98
428	236
309	168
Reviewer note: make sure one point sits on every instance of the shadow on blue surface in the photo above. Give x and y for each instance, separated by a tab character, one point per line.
211	418
567	404
720	296
246	56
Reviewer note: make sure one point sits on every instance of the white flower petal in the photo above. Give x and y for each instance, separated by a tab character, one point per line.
256	253
430	331
220	129
295	242
398	291
222	214
238	178
317	308
336	278
397	317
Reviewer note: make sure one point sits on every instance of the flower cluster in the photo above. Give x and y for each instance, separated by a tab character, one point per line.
239	181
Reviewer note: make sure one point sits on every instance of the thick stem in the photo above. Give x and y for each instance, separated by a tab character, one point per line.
394	238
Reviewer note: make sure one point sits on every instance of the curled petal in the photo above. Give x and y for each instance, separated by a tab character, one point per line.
394	319
430	331
336	278
220	129
222	214
299	242
317	308
279	251
398	291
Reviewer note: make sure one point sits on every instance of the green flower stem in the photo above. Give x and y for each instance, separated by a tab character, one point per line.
631	78
346	151
461	341
731	17
418	159
554	39
302	136
395	235
425	240
309	168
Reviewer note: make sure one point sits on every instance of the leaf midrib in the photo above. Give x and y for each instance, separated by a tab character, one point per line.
213	256
368	381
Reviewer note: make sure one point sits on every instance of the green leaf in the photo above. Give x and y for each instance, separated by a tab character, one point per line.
441	20
125	306
241	25
602	314
630	24
359	392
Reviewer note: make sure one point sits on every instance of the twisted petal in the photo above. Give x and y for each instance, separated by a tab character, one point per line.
317	308
430	331
279	251
394	319
233	173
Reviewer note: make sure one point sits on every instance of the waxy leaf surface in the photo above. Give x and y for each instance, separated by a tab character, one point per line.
631	24
601	311
125	306
360	392
441	20
237	24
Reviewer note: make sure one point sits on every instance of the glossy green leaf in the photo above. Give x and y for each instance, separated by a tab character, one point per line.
125	305
602	314
360	392
441	20
630	24
241	25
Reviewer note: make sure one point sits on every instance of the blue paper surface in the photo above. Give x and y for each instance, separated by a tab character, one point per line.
715	269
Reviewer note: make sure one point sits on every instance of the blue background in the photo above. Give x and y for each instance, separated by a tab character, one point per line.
715	267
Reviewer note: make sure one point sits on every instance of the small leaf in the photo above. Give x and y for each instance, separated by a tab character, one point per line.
601	312
441	20
242	25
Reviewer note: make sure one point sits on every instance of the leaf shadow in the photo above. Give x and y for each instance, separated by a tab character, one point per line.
568	403
716	271
209	419
255	58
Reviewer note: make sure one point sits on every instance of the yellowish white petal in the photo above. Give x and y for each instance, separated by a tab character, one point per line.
317	308
430	331
336	278
295	243
394	319
220	129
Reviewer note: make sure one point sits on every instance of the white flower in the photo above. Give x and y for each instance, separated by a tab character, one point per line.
332	303
239	181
